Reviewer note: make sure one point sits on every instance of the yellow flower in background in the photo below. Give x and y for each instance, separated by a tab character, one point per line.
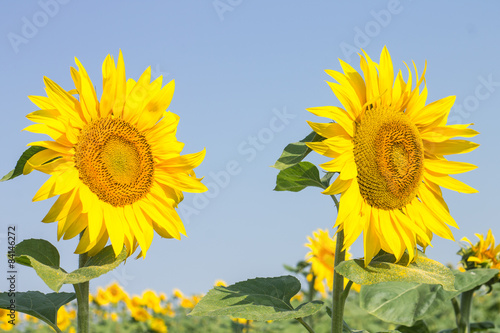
31	318
4	320
115	293
140	314
63	318
242	321
483	254
322	258
177	293
158	325
102	297
298	297
168	310
151	300
220	283
388	147
186	302
115	162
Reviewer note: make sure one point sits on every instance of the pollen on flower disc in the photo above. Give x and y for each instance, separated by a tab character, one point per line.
388	153
115	161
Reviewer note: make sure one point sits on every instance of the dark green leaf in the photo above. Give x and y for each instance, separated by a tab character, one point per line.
298	177
419	327
18	170
296	152
259	299
39	249
325	180
383	269
36	304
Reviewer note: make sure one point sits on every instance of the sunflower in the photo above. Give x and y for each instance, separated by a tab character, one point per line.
482	254
115	162
388	147
322	257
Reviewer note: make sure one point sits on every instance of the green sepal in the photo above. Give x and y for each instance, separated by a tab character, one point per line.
36	304
18	169
384	269
259	299
44	258
296	152
298	177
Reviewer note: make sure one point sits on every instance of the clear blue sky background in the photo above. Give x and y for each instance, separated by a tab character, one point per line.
236	68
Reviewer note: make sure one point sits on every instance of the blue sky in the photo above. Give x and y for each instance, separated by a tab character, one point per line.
245	72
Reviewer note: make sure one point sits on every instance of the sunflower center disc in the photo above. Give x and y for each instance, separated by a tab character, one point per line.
114	160
388	152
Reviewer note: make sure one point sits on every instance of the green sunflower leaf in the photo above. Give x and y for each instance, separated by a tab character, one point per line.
298	177
39	249
406	303
296	152
402	303
18	170
36	304
97	265
46	263
384	269
258	299
468	280
419	327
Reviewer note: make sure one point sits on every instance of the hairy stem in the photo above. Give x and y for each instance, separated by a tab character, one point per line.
465	307
338	287
82	298
308	328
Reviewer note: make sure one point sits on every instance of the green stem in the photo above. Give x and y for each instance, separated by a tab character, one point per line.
82	298
456	309
308	328
345	293
338	287
310	297
465	307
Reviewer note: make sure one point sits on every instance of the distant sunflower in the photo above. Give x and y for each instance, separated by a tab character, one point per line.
483	254
115	163
388	148
322	257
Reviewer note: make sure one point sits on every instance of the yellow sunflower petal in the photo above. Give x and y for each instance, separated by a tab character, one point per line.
338	186
336	113
448	167
429	113
440	134
449	147
355	80
449	182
